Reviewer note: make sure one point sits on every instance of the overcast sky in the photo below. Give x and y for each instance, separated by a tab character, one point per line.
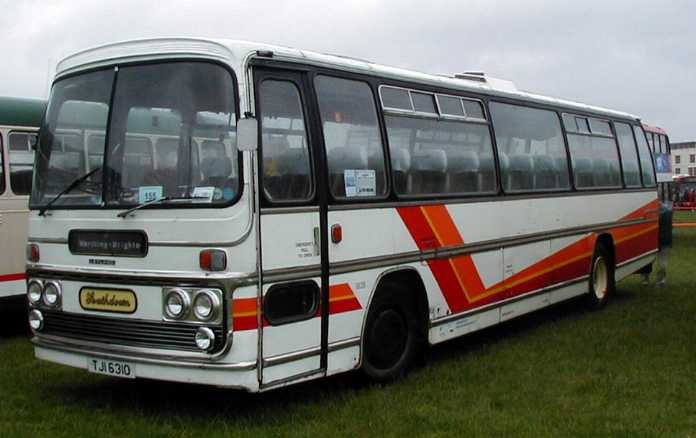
635	56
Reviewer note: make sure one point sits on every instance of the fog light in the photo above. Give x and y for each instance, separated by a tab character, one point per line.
176	303
205	305
36	320
51	294
205	338
34	290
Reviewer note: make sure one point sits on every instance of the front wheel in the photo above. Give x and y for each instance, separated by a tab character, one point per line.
601	278
391	340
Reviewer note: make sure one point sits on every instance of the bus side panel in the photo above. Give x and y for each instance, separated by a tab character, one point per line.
13	241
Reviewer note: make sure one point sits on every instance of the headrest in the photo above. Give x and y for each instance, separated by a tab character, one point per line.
432	160
521	163
216	167
401	160
343	158
462	161
292	161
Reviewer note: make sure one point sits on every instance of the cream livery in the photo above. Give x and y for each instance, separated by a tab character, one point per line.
252	216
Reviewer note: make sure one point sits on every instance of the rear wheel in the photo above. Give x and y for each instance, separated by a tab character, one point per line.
391	340
601	278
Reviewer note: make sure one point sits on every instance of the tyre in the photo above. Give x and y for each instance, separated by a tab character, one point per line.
601	277
392	338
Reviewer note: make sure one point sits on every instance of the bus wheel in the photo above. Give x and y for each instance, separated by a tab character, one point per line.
391	338
601	278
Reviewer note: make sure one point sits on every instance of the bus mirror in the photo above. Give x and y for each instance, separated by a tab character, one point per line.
33	141
247	134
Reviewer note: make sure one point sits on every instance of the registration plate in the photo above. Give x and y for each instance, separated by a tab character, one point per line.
111	368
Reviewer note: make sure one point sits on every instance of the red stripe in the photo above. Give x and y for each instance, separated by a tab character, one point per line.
13	277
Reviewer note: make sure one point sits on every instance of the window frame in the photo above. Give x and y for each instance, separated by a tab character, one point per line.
381	129
622	184
571	183
10	187
278	76
387	111
621	158
638	126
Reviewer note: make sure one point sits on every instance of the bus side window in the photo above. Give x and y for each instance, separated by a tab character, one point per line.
629	155
646	162
530	144
21	160
286	160
594	156
2	168
354	150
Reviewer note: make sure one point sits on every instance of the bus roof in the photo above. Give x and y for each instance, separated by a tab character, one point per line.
237	53
654	129
19	111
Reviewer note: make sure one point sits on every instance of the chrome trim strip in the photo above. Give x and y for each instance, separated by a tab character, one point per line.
321	372
309	352
169	359
51	240
295	273
469	248
497	304
289	274
290	210
138	277
485	197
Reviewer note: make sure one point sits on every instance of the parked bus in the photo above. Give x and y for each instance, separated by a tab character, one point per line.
346	216
19	121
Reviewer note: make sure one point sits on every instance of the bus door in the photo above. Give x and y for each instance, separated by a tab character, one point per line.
291	262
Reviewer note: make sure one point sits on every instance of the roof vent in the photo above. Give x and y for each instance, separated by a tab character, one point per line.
477	76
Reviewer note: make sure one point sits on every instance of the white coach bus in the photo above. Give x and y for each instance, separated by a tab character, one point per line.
19	121
343	215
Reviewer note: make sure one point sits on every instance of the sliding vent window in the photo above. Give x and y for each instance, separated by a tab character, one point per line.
286	161
531	150
436	157
594	157
646	162
352	139
629	156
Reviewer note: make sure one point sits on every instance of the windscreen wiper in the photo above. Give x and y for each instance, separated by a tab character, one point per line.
124	214
69	188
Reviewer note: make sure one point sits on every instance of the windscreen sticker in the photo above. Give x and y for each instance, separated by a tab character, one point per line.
149	193
204	193
360	182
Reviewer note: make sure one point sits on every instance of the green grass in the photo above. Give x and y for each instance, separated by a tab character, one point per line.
684	216
628	369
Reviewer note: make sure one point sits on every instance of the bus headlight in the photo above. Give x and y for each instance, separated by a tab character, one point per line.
36	320
176	304
34	291
205	305
51	294
205	338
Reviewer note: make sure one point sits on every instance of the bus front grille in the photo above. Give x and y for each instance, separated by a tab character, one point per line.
127	332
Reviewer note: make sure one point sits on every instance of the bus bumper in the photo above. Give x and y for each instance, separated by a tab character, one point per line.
240	375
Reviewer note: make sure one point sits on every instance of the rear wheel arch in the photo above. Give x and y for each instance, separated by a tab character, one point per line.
406	285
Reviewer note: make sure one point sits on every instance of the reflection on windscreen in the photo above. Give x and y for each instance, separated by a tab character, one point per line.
171	133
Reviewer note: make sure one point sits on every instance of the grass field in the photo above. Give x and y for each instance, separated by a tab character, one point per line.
629	369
